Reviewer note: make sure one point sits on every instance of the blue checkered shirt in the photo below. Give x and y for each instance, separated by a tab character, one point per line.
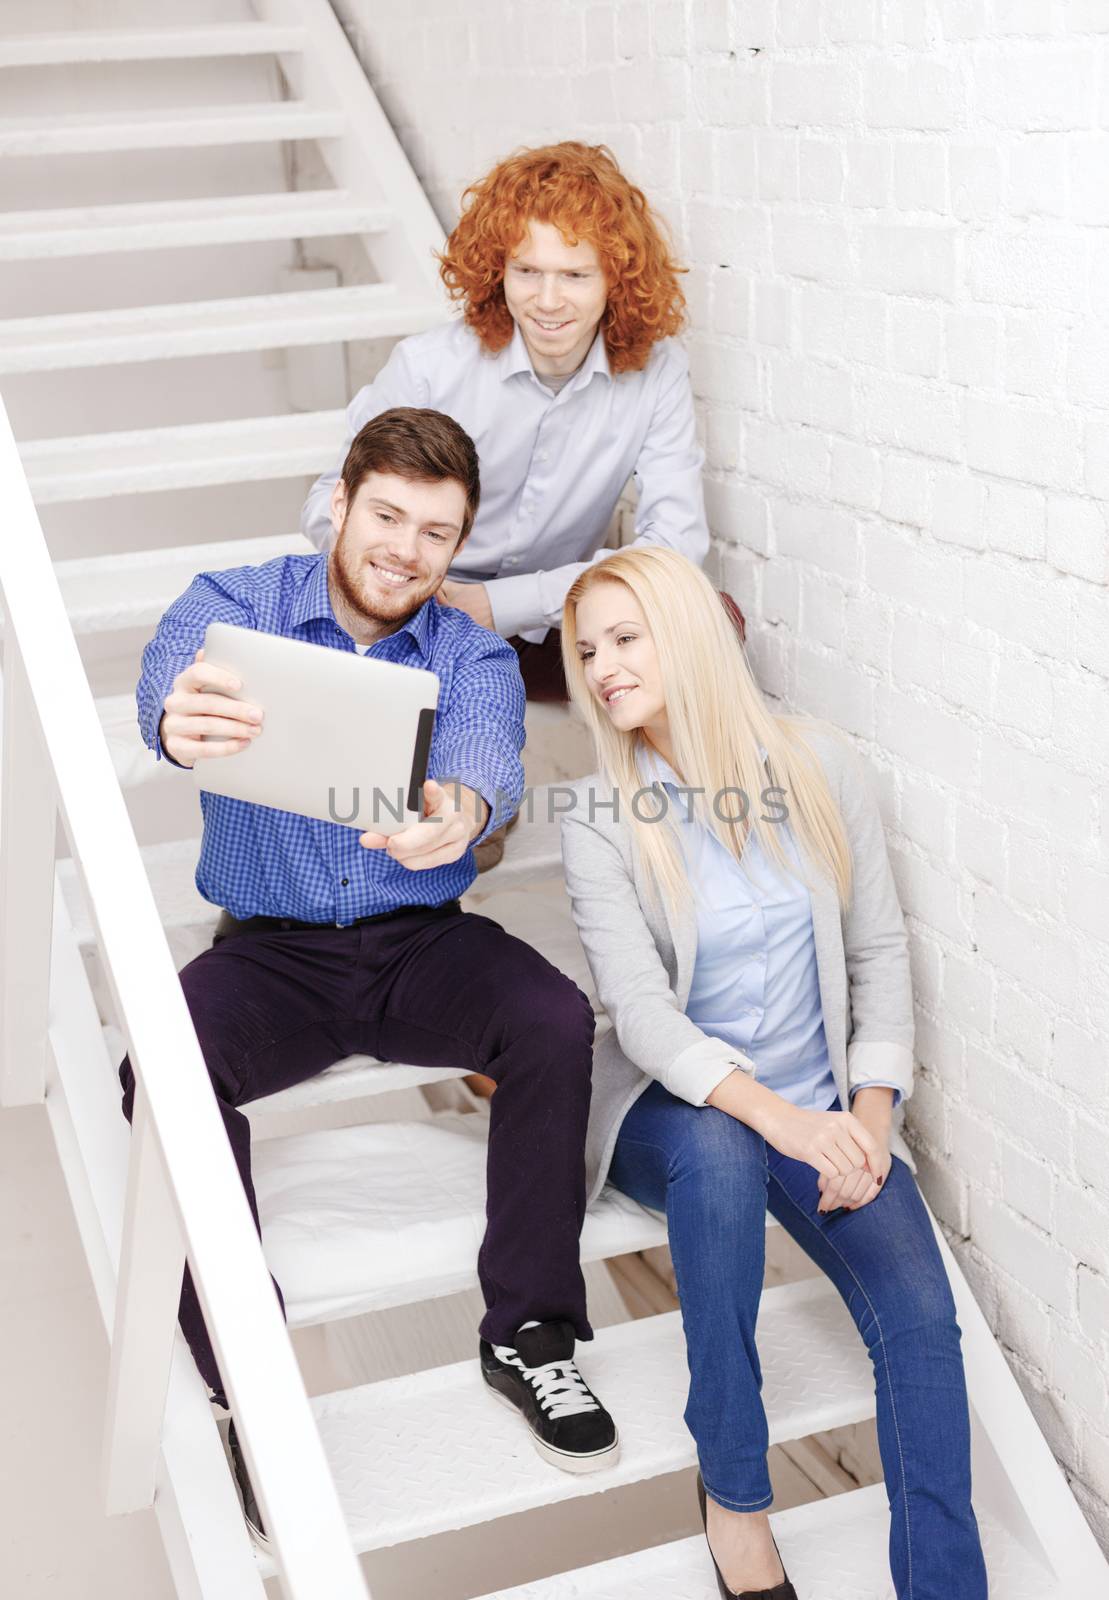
256	860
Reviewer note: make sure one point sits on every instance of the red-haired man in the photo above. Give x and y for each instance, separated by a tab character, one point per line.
565	372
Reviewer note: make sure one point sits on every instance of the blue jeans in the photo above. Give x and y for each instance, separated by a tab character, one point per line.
714	1177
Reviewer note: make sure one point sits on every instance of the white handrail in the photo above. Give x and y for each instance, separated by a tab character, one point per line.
55	707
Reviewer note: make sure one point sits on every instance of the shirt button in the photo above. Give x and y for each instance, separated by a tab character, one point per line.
344	882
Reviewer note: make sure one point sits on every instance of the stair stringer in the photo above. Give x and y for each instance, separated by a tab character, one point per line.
1015	1472
328	73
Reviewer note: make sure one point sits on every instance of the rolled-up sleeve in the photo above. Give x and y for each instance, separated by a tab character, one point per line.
530	599
397	384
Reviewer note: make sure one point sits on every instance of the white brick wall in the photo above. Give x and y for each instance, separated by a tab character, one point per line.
897	216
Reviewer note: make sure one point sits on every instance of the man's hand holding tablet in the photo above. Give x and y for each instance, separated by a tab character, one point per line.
453	816
201	719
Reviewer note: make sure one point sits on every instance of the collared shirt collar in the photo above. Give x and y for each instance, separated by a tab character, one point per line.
514	358
313	602
654	767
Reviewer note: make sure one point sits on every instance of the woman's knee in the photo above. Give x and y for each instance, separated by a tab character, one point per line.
720	1159
915	1311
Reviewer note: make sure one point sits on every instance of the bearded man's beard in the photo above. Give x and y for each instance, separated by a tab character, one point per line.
347	573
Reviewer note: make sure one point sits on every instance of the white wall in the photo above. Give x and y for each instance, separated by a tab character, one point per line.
897	215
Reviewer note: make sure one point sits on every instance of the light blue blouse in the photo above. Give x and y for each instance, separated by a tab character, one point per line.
755	979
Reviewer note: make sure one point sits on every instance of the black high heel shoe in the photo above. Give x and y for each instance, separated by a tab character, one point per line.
781	1591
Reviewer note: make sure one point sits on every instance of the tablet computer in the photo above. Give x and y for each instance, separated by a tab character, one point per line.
345	737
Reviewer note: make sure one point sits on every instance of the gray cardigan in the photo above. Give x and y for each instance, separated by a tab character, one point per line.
642	963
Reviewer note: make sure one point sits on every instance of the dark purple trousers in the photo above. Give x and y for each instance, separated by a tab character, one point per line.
433	987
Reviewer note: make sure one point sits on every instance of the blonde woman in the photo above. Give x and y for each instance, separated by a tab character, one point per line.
731	886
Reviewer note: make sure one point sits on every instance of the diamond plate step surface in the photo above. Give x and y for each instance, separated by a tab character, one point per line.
832	1549
211	327
135	44
146	460
362	1218
160	224
98	132
425	1454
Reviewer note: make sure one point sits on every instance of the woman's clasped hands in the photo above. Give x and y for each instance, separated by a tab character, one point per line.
849	1150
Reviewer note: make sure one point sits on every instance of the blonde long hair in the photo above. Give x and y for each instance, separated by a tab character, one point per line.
718	723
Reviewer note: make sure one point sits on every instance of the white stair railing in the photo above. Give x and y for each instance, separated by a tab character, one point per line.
184	1195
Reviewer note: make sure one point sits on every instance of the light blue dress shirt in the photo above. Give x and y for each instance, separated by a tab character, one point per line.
755	978
553	466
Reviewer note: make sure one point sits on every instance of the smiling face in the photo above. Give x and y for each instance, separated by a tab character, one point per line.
556	293
394	542
621	664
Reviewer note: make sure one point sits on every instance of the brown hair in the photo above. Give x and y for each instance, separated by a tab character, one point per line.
419	444
580	190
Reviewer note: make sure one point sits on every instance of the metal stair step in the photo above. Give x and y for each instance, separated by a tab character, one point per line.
356	1078
134	765
136	44
211	327
95	465
425	1454
158	224
188	919
834	1549
172	128
105	593
363	1218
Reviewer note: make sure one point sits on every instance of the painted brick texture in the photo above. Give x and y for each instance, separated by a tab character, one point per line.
896	217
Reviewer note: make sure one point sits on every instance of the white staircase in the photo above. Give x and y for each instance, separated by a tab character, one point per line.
371	1177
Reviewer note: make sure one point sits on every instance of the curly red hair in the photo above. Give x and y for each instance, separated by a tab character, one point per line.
579	189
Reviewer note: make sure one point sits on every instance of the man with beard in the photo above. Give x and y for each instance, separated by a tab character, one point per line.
332	943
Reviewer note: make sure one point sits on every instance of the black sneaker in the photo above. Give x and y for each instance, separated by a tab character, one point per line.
251	1510
569	1426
